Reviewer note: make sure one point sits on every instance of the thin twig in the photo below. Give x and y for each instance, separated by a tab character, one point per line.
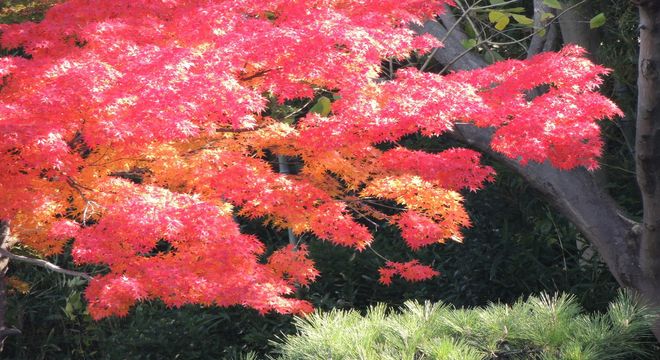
383	205
553	20
43	263
561	244
617	168
378	254
299	110
363	216
482	32
240	130
547	25
95	163
255	75
89	204
74	185
495	5
449	31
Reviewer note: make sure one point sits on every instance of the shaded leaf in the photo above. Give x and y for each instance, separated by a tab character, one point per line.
546	15
496	16
492	56
522	19
469	30
322	107
597	21
553	4
469	43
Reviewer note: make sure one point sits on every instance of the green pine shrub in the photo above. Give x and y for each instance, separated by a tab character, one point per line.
541	327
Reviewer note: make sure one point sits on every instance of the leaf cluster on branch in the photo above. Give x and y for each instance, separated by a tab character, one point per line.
178	93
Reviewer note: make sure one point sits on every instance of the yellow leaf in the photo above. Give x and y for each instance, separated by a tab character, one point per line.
496	16
500	25
19	285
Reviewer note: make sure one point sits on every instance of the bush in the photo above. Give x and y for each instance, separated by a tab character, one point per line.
542	327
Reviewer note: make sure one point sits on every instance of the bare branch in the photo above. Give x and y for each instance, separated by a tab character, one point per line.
240	130
5	332
449	31
43	263
256	75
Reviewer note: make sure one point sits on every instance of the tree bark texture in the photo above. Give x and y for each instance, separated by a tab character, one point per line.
575	28
647	148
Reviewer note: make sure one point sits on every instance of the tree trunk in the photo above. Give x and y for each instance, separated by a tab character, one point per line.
647	150
545	42
6	241
576	194
630	250
284	168
575	28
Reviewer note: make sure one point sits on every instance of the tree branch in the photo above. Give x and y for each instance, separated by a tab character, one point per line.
452	46
577	196
42	263
240	130
574	193
5	332
546	42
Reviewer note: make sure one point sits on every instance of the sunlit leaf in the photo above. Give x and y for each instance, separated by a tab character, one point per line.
502	23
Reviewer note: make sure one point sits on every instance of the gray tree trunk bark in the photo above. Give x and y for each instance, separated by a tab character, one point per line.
647	150
575	29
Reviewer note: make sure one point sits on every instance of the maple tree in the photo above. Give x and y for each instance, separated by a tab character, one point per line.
126	124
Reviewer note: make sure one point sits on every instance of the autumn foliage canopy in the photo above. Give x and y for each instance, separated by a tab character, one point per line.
124	124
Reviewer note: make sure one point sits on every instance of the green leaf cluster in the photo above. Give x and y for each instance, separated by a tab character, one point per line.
501	18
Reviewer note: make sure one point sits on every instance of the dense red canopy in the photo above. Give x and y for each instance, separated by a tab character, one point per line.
177	91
